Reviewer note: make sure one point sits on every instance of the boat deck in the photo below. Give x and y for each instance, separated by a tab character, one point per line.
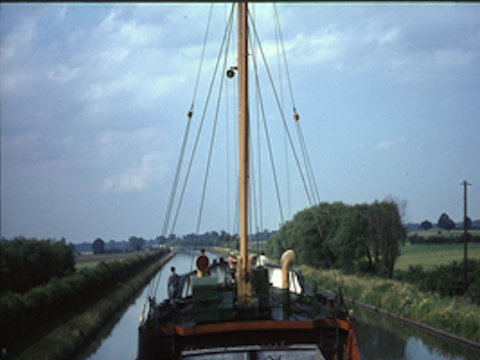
293	352
299	310
207	322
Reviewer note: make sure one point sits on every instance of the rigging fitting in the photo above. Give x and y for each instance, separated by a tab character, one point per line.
231	72
296	117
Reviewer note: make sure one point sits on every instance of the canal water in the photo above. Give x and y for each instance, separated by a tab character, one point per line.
381	338
122	341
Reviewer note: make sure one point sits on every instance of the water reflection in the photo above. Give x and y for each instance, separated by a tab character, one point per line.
383	338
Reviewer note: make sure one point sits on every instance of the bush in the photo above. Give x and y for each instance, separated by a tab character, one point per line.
446	280
416	239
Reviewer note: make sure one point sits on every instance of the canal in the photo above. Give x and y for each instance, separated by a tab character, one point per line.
381	338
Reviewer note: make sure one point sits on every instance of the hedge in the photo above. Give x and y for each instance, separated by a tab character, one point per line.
22	314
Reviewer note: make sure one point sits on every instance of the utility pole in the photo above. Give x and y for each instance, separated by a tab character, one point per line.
465	267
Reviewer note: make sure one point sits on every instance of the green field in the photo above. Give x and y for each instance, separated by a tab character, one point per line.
434	254
92	260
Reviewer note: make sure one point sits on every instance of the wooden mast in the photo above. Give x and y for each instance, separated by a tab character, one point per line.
243	267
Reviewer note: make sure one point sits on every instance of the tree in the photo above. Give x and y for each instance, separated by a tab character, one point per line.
361	237
444	222
98	246
426	225
389	232
352	241
160	240
136	243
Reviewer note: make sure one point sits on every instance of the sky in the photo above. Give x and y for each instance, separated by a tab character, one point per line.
94	100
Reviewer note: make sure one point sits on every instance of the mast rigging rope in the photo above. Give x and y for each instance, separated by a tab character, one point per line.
202	121
277	17
187	129
153	289
201	58
212	138
282	115
267	136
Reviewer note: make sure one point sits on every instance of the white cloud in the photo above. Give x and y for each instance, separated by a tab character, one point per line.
389	36
140	34
163	85
101	91
13	80
62	13
35	146
448	58
62	73
322	46
113	56
110	23
112	142
137	178
36	162
20	37
431	65
387	144
14	56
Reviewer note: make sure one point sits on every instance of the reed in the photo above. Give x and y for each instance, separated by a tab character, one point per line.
452	314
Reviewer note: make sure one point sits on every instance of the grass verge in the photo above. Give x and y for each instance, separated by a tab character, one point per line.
454	315
76	334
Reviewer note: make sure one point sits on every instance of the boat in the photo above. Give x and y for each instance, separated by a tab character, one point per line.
256	310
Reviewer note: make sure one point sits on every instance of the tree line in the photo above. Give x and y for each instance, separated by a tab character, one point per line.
446	223
212	238
26	263
417	239
134	243
362	237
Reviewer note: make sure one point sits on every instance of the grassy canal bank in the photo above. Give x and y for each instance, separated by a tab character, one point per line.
75	335
454	315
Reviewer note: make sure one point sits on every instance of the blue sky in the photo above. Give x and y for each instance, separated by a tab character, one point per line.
94	96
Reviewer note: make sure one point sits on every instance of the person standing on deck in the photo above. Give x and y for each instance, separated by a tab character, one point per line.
232	264
262	260
173	284
202	264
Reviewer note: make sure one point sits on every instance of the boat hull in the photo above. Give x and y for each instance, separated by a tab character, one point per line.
335	338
